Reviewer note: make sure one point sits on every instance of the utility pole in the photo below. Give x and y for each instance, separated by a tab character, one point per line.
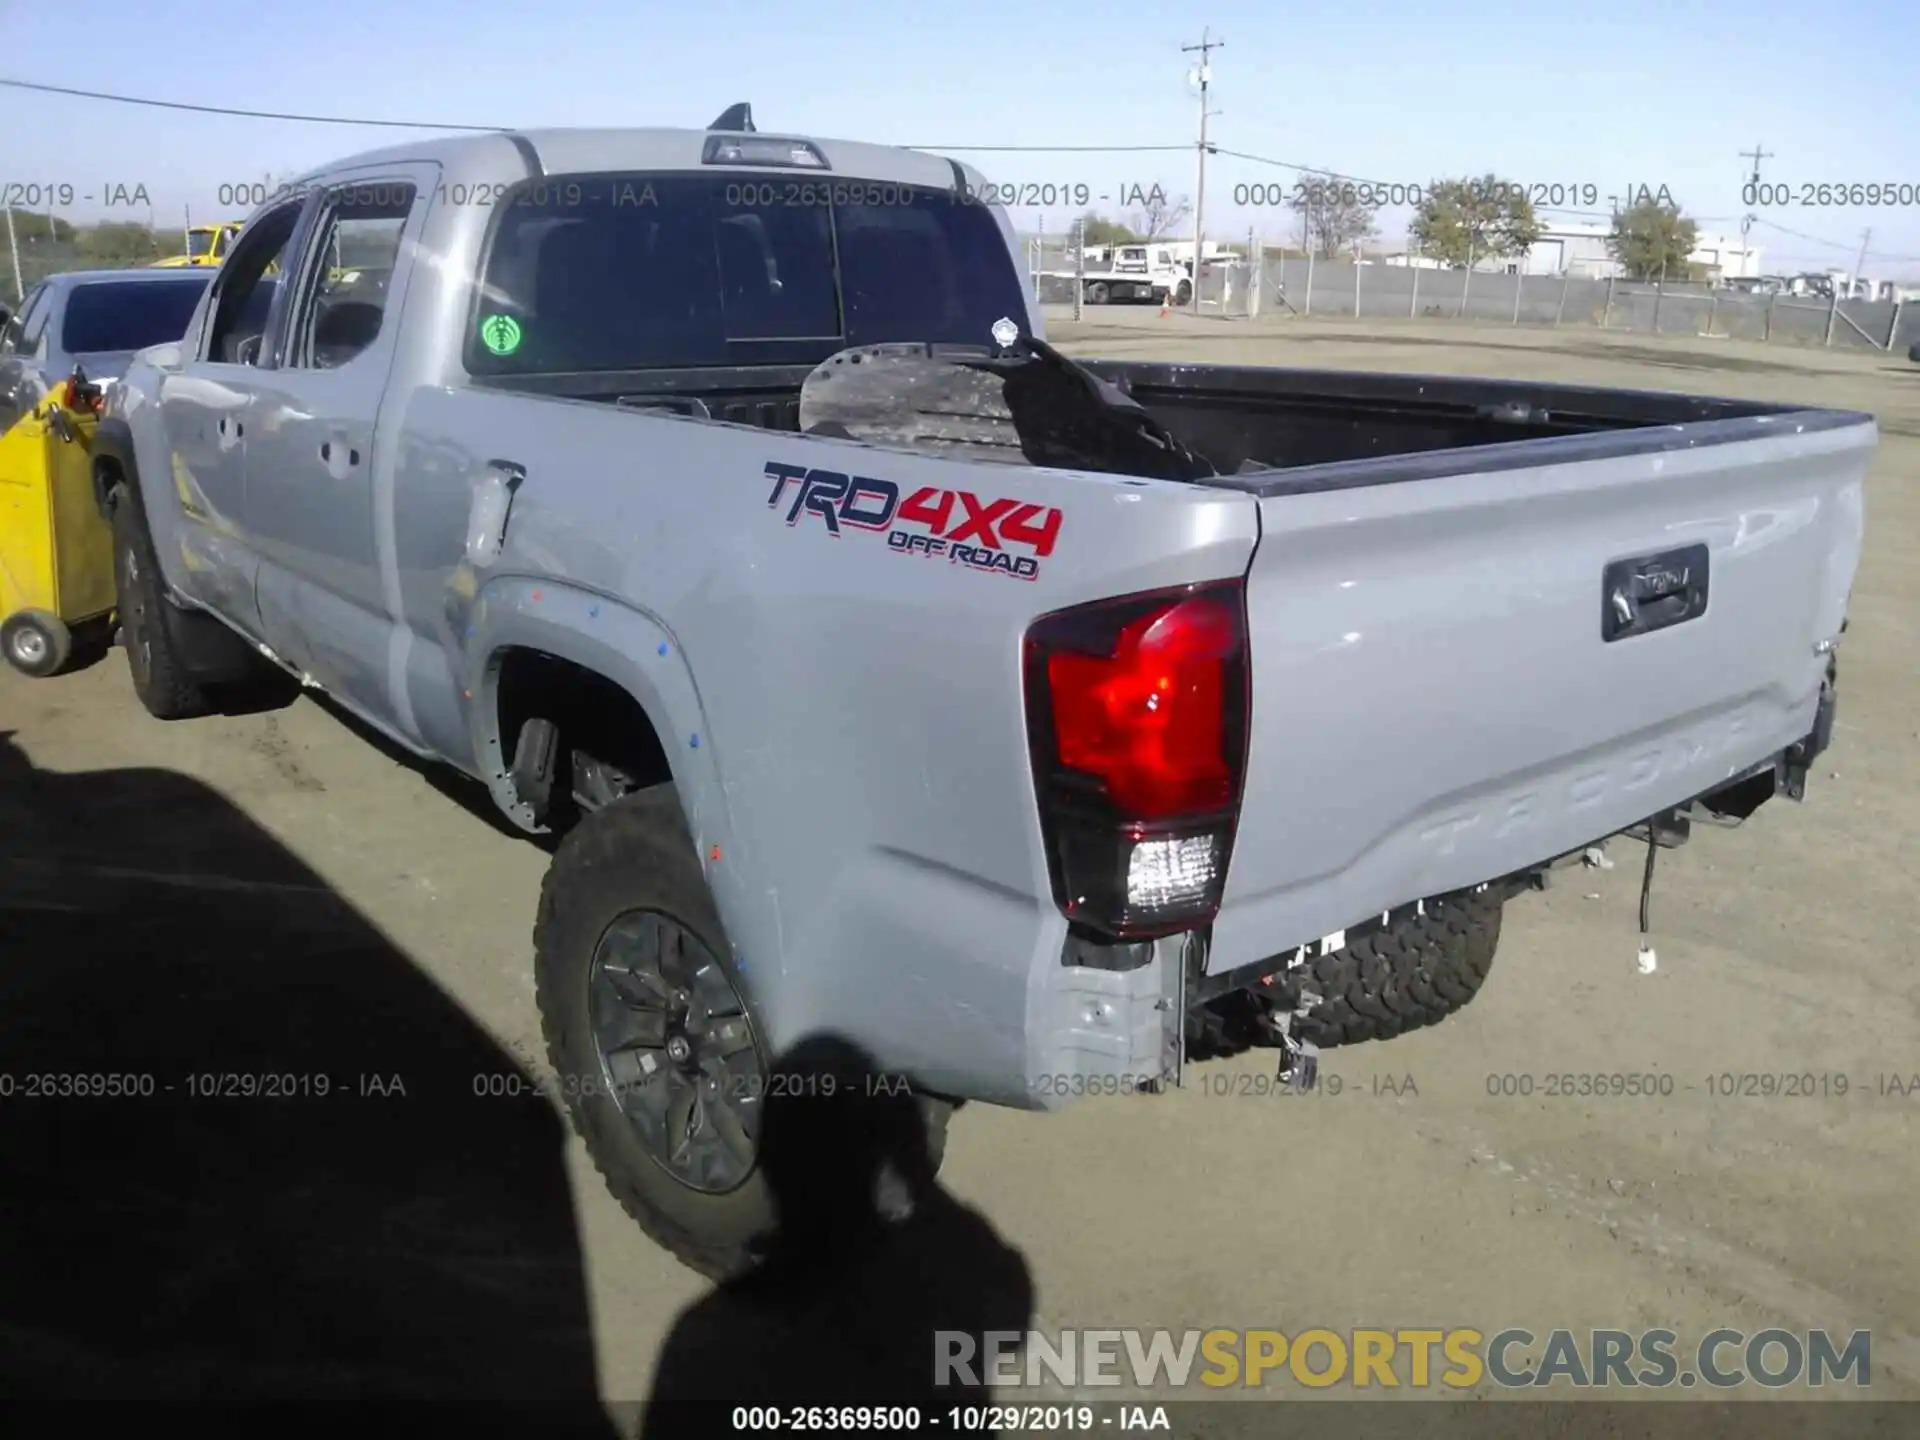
1756	155
1860	265
13	246
1202	74
1746	221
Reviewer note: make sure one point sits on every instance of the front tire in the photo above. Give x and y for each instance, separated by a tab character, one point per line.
661	1058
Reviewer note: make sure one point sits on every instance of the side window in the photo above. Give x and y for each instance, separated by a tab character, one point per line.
244	291
343	293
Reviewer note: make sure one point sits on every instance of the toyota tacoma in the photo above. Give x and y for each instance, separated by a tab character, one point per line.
715	500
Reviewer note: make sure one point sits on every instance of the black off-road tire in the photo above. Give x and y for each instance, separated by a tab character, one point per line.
1401	978
1411	974
637	853
160	675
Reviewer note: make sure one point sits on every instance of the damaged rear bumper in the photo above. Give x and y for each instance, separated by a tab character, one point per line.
1118	1019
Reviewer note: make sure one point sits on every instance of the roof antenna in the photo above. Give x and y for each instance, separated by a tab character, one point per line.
736	117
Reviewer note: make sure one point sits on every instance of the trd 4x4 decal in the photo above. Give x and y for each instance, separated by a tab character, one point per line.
955	524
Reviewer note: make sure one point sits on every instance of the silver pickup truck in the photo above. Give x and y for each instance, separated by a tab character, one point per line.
714	499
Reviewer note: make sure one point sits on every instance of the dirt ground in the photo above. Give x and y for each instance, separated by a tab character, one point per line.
1411	1197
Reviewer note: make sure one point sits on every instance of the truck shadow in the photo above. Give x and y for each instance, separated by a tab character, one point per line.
249	1153
852	1305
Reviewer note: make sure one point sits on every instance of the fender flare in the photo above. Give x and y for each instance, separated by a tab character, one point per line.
630	648
638	652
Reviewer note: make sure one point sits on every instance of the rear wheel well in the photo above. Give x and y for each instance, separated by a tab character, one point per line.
601	743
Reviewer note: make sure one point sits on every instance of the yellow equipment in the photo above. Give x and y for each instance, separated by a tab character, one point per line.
206	245
56	552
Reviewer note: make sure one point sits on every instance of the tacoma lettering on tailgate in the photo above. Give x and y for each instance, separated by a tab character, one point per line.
956	525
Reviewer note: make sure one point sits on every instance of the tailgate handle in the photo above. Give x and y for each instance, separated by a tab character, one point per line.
1645	593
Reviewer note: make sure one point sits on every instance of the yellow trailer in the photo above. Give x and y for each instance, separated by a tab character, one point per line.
56	552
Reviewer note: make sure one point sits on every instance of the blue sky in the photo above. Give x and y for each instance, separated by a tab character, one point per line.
1395	91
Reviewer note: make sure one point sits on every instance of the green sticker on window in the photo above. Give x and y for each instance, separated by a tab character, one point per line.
501	334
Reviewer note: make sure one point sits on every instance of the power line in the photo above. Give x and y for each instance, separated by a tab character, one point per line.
1321	170
1549	209
236	111
1831	244
242	113
1055	149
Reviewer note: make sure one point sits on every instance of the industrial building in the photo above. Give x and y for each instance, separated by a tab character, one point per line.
1579	248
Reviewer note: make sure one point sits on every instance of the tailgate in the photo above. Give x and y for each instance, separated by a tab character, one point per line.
1436	701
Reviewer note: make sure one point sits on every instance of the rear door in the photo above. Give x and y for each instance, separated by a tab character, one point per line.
1459	675
315	482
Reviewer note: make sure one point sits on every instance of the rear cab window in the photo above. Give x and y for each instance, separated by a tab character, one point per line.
672	271
119	315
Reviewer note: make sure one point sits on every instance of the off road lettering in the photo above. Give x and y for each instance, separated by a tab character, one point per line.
979	533
837	498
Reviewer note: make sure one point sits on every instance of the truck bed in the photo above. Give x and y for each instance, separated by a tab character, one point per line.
1247	420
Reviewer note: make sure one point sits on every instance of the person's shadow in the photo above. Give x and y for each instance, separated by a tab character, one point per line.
874	1273
251	1157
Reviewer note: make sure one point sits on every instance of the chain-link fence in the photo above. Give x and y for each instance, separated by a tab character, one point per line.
1302	288
39	257
1340	287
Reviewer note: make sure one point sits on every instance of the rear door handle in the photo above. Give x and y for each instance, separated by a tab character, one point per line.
338	456
231	430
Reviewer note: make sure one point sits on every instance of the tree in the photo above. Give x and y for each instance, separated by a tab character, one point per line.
1651	240
119	242
1334	215
1160	217
1463	221
30	225
1098	230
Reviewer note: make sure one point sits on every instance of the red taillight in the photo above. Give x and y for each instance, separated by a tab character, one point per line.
1138	712
1150	719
